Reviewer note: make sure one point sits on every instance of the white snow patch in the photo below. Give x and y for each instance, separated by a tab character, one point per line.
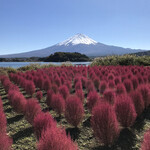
78	39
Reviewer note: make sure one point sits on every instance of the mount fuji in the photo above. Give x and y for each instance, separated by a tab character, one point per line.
78	43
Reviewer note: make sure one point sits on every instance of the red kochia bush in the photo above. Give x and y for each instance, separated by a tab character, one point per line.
63	90
55	139
137	101
104	123
39	95
135	82
47	85
30	87
145	91
18	102
90	86
96	82
58	103
5	142
125	110
103	86
80	94
3	122
32	109
128	85
92	99
49	97
146	141
120	89
74	110
109	96
78	86
1	105
41	122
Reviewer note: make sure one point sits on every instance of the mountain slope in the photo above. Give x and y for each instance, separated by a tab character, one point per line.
79	43
145	53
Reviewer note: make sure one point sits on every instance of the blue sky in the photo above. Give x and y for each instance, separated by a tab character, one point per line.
34	24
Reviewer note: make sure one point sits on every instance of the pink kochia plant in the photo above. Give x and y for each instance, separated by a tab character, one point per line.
138	102
80	94
5	142
18	102
49	97
109	96
58	103
92	99
125	110
32	110
145	91
39	95
120	89
30	88
63	90
96	82
128	85
3	122
104	123
146	141
41	122
74	111
103	86
55	139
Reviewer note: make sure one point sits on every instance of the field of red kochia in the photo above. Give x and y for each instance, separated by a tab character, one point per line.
114	96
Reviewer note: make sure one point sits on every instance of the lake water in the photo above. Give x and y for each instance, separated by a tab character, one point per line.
21	64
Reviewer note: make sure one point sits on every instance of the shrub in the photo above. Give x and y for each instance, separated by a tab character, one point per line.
111	84
80	95
120	89
137	101
55	139
92	99
96	82
128	85
30	87
55	88
145	91
41	122
90	86
146	141
3	122
58	81
125	110
18	102
74	110
39	95
104	123
63	90
40	82
5	142
1	105
32	110
135	82
58	103
117	80
78	86
49	97
103	86
109	96
47	85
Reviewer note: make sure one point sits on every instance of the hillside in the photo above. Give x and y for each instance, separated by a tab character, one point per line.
62	57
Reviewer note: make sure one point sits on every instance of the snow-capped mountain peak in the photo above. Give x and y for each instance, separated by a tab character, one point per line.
78	39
